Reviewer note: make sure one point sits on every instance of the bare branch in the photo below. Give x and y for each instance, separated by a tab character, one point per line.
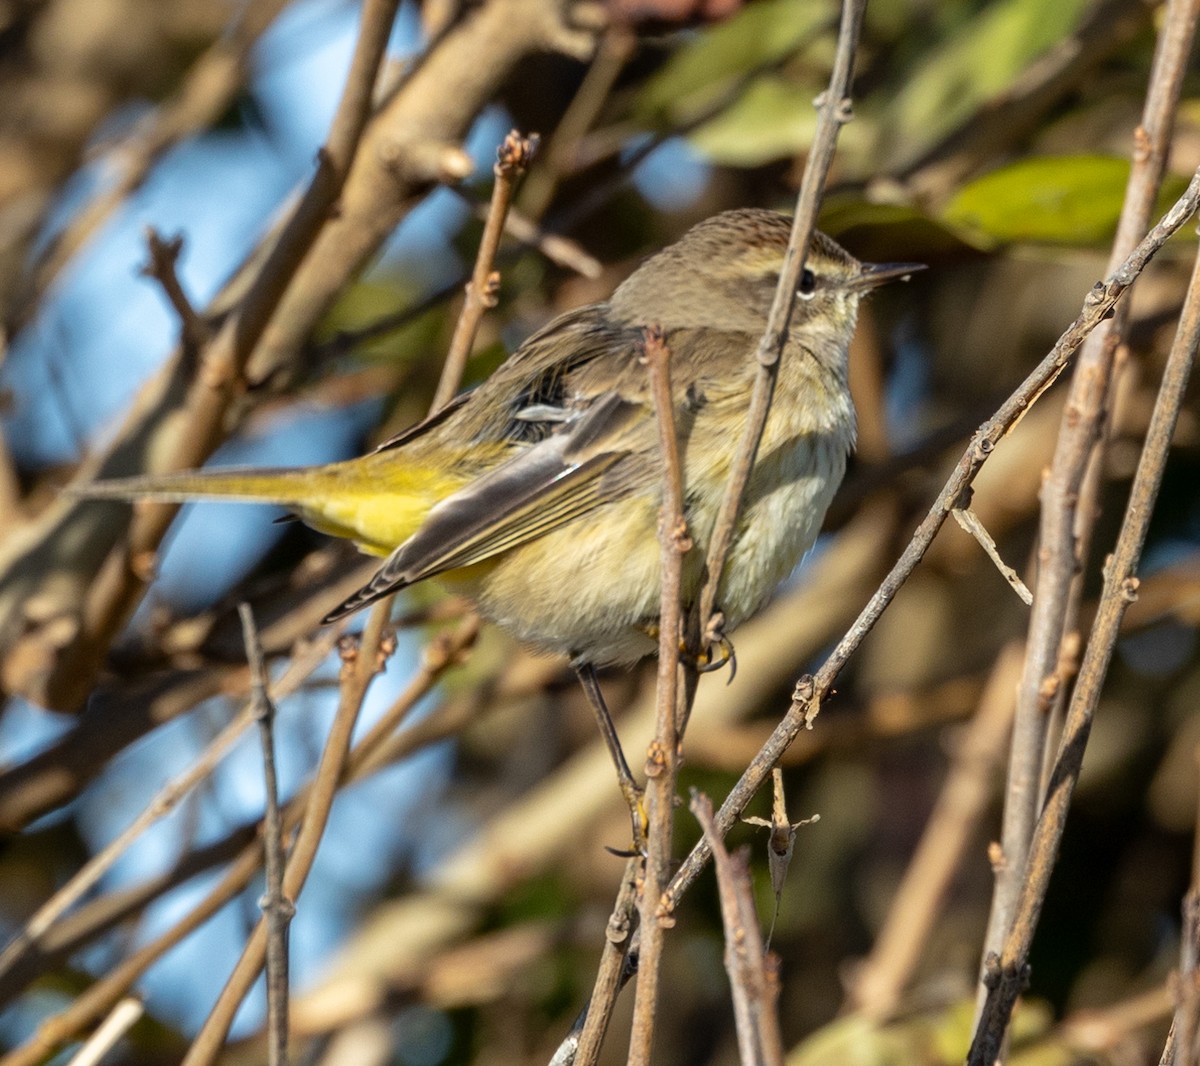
361	662
971	524
1068	504
810	691
662	762
164	255
275	904
753	980
512	159
1120	589
611	975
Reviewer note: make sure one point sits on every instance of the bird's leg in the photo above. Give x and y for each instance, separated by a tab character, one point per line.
718	648
629	787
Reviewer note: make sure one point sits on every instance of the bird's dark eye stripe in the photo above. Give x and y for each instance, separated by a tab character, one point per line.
808	282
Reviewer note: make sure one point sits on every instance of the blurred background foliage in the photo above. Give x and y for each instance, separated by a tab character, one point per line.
459	901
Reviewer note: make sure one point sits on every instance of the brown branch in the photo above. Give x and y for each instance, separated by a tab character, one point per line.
1067	513
1007	975
123	1017
167	799
100	997
969	787
611	975
512	159
833	111
360	665
971	524
194	332
1181	1040
208	89
811	690
244	864
112	595
662	762
375	750
276	905
753	980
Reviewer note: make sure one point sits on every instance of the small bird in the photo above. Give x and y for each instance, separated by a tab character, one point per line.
538	493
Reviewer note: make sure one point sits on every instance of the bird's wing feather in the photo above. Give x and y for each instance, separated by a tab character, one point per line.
543	487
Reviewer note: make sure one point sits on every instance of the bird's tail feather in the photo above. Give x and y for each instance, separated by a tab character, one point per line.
282	485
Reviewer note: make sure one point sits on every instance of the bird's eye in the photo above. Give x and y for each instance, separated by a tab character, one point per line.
808	284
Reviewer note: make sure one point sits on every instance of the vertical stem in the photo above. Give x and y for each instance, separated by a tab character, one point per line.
278	909
1067	512
662	764
1005	976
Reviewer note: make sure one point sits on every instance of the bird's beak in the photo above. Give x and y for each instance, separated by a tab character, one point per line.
875	274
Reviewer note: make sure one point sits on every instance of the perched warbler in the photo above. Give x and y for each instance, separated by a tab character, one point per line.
538	492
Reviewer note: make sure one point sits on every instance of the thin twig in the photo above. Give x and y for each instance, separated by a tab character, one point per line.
1181	1040
123	1017
612	972
1005	976
833	111
970	523
969	787
753	982
512	158
100	997
811	690
275	904
167	799
120	581
662	762
360	665
194	332
1068	511
206	91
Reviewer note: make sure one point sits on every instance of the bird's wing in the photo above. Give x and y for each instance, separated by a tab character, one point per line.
545	485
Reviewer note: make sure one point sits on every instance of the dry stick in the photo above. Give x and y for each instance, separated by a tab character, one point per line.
275	904
611	976
1181	1039
1005	978
372	752
662	762
833	111
123	1017
93	1004
753	982
616	48
194	332
1061	554
122	578
100	997
969	786
207	90
810	690
159	807
970	523
360	665
512	158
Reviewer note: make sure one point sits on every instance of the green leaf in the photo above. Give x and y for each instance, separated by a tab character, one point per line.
709	66
1053	200
983	56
